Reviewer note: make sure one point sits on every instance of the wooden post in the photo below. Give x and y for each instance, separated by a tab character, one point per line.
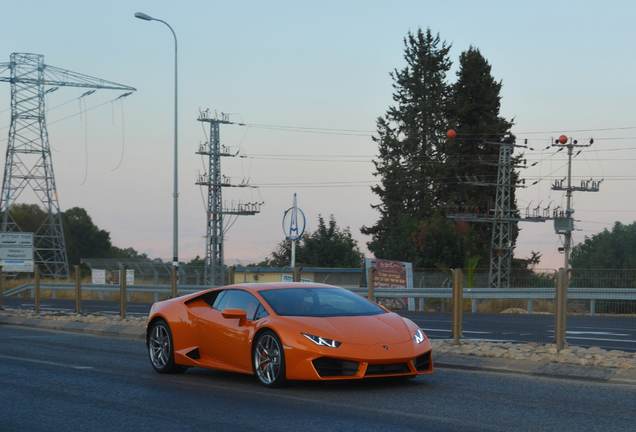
78	290
564	305
458	300
123	298
371	284
230	275
560	312
36	283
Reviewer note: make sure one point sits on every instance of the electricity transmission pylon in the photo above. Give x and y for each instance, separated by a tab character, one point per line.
215	182
502	216
28	164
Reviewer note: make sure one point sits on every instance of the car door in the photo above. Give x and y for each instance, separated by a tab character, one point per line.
234	339
208	324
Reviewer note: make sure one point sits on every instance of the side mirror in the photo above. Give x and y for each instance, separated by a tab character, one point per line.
238	314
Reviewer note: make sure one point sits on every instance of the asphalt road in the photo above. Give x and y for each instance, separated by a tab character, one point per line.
609	332
53	381
601	330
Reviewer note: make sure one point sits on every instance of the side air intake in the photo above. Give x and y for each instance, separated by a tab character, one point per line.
194	354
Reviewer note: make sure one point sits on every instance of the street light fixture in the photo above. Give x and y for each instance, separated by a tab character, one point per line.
175	194
143	16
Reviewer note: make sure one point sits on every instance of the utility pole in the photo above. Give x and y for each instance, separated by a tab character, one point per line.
564	224
215	181
501	217
28	164
563	221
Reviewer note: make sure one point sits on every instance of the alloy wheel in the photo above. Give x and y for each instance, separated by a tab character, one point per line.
159	347
267	359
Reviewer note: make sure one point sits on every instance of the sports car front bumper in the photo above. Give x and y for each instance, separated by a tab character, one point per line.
350	361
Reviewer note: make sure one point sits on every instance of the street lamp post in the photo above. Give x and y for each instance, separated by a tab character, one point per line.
175	193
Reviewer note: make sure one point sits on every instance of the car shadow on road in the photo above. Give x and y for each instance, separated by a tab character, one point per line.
370	384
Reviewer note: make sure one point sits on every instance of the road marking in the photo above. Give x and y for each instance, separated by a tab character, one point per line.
604	328
595	333
602	339
45	362
449	331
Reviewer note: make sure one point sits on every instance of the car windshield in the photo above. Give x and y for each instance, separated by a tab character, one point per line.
318	302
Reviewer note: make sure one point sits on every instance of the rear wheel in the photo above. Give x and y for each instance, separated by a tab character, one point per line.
161	348
269	360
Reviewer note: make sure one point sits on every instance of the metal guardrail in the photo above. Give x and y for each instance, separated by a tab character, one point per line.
151	289
428	293
506	294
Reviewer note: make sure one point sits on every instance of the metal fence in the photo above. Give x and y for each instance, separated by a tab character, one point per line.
476	300
595	299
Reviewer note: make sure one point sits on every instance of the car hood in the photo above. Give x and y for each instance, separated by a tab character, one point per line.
362	330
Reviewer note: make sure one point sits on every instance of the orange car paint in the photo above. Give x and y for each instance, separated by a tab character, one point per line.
225	344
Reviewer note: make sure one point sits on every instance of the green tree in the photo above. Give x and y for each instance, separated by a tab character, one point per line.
328	246
28	217
615	249
128	253
83	238
474	113
422	174
411	141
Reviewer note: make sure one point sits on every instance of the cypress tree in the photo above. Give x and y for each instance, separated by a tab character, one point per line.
474	113
411	138
422	174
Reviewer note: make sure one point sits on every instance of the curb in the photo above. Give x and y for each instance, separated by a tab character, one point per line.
442	360
546	370
127	331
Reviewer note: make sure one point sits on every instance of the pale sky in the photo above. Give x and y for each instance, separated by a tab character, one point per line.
564	66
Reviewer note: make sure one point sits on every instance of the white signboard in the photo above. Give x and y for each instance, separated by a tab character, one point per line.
98	276
16	252
130	277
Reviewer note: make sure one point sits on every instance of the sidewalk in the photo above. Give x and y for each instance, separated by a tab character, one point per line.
106	327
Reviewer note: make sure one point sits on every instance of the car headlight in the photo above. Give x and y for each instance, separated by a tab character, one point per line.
331	343
419	336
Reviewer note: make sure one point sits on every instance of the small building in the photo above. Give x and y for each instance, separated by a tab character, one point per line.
345	277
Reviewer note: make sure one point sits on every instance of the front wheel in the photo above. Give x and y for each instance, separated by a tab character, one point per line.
161	348
269	360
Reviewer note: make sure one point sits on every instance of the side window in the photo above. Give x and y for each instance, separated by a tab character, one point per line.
260	312
238	299
219	301
211	297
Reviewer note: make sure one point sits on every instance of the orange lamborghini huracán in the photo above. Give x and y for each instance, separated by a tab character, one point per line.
285	331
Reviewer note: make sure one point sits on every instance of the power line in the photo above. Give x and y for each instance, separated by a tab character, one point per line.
28	163
284	126
306	128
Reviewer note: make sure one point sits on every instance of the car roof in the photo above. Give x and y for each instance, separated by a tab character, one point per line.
277	285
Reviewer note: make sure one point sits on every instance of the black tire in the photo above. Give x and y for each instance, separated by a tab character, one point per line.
159	335
276	373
